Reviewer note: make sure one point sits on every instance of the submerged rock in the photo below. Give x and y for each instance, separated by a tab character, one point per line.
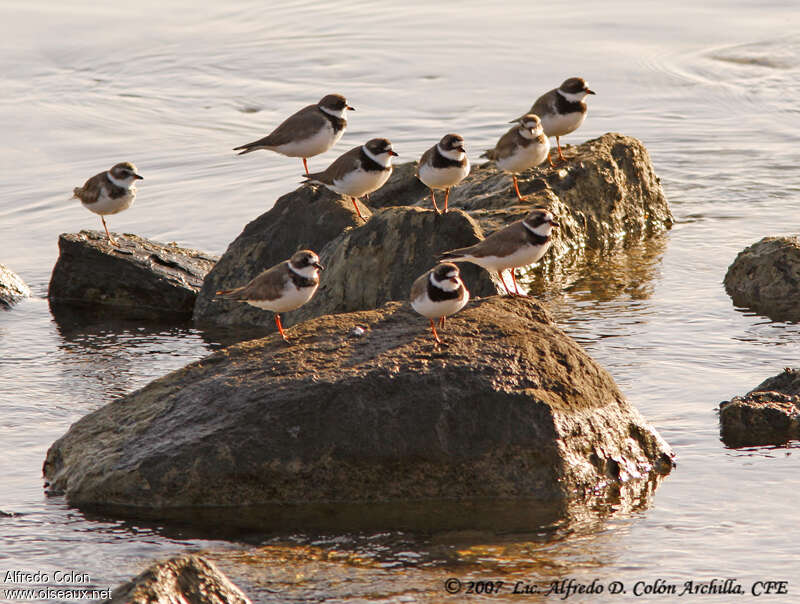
508	407
186	579
12	288
137	278
767	415
303	219
606	195
765	277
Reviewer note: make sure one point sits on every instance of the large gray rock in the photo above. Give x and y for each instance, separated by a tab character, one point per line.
765	277
369	265
767	415
12	288
183	579
302	219
137	278
509	406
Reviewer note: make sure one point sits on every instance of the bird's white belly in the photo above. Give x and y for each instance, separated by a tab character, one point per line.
433	310
440	178
558	125
360	182
525	157
323	140
290	299
522	257
105	205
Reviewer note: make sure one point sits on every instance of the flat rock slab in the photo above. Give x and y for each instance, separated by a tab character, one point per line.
767	415
137	278
765	277
509	406
185	579
12	288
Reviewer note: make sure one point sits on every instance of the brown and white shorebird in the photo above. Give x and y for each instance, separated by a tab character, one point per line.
358	172
109	192
522	147
562	110
439	293
284	287
443	166
519	244
311	131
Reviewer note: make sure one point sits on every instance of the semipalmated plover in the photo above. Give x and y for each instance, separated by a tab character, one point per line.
444	165
519	244
309	132
562	110
438	293
358	172
522	147
109	192
284	287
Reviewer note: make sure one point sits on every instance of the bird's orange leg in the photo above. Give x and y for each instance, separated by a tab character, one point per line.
110	238
500	274
441	322
549	159
516	188
305	165
446	197
514	279
433	199
355	205
280	327
433	329
560	155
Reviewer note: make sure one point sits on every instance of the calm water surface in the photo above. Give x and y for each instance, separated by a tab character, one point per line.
711	90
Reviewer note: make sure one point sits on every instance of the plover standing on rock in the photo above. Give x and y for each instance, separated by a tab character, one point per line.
522	147
109	192
519	244
284	287
439	293
311	131
443	166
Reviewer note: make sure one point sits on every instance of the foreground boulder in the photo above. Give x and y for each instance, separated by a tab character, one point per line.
767	415
605	196
137	278
185	579
12	288
765	277
509	406
303	219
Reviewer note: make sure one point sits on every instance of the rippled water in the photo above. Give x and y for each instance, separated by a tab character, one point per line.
711	90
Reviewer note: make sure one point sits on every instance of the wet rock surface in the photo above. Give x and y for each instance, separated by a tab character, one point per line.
302	219
767	415
508	407
137	278
765	277
12	288
185	579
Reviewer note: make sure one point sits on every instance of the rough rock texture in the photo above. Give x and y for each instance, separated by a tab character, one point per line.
369	265
606	195
137	278
509	406
766	278
12	288
184	579
302	219
767	415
